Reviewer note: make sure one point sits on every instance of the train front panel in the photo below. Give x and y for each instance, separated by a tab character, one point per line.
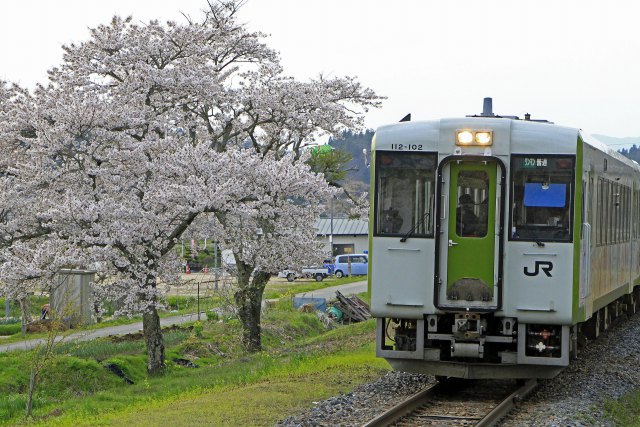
472	247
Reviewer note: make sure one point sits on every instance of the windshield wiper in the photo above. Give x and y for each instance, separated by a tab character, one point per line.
413	229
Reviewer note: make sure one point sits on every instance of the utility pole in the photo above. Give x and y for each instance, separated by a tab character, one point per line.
215	265
331	227
198	300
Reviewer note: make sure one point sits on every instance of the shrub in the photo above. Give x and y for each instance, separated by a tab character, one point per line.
70	376
197	328
10	329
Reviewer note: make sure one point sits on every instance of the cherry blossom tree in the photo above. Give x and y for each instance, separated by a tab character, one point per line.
18	222
148	131
124	203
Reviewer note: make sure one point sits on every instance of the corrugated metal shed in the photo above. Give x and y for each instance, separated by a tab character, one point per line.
342	226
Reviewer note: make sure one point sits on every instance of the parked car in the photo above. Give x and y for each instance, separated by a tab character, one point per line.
290	275
318	273
358	263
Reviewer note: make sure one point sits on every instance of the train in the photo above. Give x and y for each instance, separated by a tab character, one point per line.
499	246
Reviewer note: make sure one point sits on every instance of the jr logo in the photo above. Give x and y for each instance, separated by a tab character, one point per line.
545	266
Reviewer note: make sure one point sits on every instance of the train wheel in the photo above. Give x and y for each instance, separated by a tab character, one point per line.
630	304
591	328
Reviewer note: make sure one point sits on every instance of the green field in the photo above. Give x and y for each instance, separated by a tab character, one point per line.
302	363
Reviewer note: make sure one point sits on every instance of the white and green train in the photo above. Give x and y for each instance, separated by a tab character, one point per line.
498	245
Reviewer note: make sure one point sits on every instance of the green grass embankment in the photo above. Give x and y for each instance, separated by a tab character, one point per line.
624	411
302	363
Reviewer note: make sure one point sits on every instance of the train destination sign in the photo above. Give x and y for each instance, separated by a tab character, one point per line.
534	162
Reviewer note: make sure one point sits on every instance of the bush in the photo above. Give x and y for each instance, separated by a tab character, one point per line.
10	329
197	329
68	376
174	302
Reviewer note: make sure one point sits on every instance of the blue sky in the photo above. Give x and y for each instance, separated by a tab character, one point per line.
576	63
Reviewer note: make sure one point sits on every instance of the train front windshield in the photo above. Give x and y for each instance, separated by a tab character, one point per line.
541	197
405	186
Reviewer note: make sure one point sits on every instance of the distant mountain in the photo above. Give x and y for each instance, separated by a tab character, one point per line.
633	153
619	144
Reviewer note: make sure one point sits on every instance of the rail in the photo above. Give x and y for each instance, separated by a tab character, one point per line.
454	403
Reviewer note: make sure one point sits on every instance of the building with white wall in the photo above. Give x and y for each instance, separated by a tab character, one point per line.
349	235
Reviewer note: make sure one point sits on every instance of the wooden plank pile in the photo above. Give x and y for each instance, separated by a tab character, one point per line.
353	308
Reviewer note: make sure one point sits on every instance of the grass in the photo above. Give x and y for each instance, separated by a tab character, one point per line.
102	349
624	411
301	363
280	289
10	329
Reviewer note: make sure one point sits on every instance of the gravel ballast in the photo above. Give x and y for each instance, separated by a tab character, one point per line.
606	369
362	404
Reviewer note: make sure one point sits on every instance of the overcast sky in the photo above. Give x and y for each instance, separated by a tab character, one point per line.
576	63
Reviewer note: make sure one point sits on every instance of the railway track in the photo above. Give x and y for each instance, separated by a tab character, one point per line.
456	403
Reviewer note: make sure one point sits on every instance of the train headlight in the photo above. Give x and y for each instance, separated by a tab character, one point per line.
464	137
476	137
484	137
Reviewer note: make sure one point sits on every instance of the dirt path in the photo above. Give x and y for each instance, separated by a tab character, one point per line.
99	333
330	293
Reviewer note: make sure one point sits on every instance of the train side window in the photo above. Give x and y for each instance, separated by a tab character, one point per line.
542	190
405	192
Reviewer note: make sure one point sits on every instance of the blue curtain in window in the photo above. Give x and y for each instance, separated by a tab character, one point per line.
538	195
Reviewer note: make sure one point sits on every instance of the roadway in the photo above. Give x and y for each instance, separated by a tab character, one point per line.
330	293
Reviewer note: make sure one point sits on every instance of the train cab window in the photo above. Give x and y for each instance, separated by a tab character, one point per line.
541	197
472	210
405	185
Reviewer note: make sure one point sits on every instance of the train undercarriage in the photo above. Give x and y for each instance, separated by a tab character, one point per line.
482	345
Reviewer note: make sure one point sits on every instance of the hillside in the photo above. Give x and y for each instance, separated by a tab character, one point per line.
621	144
357	179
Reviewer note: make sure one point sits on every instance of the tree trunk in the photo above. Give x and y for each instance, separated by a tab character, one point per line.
25	313
24	308
248	299
32	388
153	340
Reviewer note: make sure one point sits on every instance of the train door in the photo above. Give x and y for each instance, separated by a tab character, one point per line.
585	245
471	224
